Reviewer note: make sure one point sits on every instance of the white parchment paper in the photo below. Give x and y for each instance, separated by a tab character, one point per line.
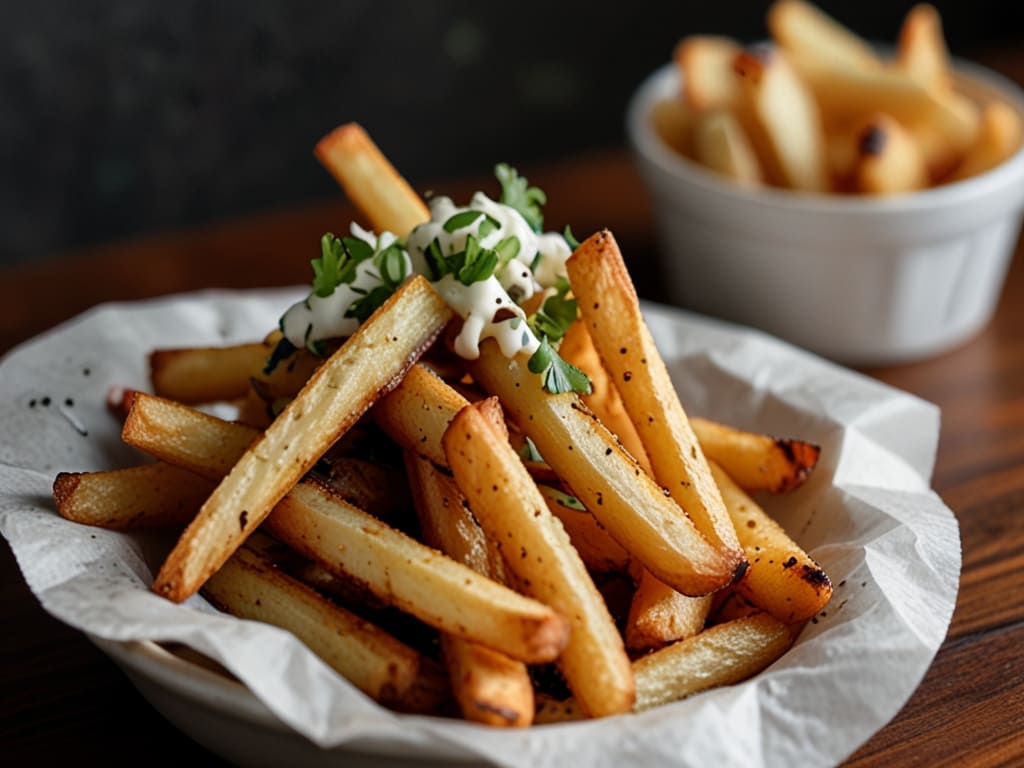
867	515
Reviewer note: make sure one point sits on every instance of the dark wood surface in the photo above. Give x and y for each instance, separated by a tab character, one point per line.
61	699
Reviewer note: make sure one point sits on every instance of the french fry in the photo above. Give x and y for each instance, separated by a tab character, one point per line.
782	578
705	64
414	578
610	309
659	615
805	32
538	551
672	121
249	586
370	181
205	374
490	687
720	143
608	481
599	551
146	496
889	159
783	120
921	50
185	437
721	655
418	411
999	137
757	462
382	349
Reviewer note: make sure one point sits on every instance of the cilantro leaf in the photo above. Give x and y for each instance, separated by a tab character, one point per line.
478	263
461	219
338	260
570	238
516	193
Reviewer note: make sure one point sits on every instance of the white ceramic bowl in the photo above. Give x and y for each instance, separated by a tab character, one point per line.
861	280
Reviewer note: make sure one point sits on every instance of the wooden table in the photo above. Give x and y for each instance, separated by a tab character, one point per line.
62	699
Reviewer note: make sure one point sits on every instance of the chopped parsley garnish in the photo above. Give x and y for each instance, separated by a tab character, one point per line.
390	264
529	451
516	193
338	260
472	264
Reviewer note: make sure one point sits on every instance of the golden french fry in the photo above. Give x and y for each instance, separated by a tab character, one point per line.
921	51
782	578
604	399
414	578
999	137
724	654
250	587
490	687
806	32
721	655
610	309
705	64
370	181
599	551
185	437
757	462
609	482
720	143
146	496
205	374
382	350
783	120
659	615
889	159
418	411
539	553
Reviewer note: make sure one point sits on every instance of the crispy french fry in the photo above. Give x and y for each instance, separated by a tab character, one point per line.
757	462
608	481
538	551
782	578
370	181
416	579
721	655
783	120
205	374
921	51
604	398
889	159
720	143
146	496
705	63
185	437
490	687
659	615
999	137
249	586
804	31
382	350
611	311
418	411
599	551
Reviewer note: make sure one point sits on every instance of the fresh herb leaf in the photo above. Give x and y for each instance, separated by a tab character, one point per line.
529	451
556	314
487	226
338	260
558	375
570	238
365	306
516	193
478	263
461	219
507	250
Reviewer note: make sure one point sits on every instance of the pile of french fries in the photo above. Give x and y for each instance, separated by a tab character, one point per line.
818	110
625	551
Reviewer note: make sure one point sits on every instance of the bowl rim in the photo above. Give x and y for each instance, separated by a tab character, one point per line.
651	147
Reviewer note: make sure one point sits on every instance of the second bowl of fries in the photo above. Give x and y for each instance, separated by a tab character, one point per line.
862	205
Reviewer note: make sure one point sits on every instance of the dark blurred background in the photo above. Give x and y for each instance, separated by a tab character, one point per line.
127	117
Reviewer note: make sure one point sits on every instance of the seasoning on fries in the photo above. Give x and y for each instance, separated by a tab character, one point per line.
552	455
